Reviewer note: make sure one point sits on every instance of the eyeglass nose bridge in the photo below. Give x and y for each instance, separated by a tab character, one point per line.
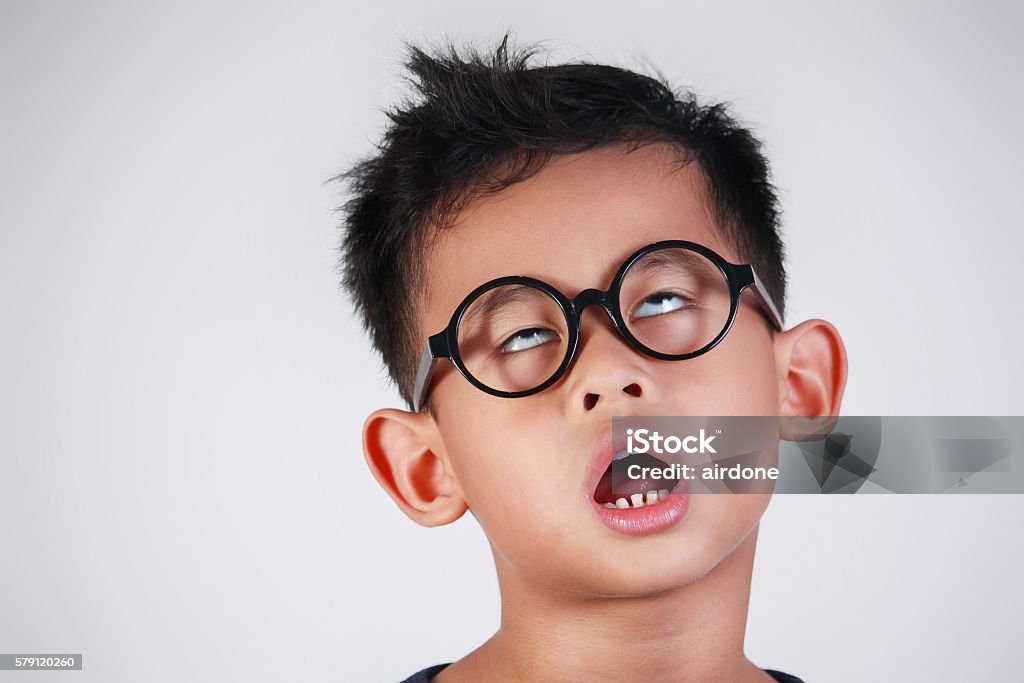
593	297
596	297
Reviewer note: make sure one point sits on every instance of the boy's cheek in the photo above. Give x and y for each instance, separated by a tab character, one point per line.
728	516
501	461
738	377
491	449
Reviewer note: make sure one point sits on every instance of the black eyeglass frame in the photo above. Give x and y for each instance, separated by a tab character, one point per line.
444	344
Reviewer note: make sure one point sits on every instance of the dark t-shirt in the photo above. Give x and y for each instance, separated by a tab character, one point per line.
428	673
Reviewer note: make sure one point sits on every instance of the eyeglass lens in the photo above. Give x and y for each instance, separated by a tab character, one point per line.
515	337
675	301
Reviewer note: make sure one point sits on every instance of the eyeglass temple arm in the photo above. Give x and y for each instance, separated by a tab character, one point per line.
434	351
766	299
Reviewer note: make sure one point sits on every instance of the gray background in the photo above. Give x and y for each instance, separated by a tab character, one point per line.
182	492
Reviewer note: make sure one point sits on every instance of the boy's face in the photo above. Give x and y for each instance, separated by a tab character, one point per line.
525	465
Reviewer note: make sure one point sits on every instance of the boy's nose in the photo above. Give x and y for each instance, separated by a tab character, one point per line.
607	370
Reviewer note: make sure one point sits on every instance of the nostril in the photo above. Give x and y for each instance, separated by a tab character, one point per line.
633	390
589	401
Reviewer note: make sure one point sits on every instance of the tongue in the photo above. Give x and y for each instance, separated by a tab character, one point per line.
610	489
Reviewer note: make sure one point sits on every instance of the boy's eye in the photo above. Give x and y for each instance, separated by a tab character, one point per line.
659	304
528	339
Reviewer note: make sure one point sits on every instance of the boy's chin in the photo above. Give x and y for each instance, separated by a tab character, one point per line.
646	585
718	534
648	572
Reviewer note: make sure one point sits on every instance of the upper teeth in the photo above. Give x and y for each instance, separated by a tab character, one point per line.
637	500
620	456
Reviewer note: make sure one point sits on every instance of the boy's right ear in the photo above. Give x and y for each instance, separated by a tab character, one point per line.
405	453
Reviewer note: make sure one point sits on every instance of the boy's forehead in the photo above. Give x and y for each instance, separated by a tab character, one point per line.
572	224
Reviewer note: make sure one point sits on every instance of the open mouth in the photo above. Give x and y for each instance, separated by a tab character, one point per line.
616	489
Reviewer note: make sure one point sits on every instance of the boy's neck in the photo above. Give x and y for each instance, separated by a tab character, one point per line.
692	633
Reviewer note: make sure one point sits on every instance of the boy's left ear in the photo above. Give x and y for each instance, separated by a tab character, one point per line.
811	361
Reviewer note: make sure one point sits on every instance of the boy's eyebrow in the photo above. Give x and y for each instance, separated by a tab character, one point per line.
484	308
670	257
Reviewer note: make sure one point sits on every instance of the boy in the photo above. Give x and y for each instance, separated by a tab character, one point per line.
501	205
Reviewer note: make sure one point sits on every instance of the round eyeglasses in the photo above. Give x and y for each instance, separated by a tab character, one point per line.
516	336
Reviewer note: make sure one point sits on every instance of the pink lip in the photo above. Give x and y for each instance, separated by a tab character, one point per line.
649	519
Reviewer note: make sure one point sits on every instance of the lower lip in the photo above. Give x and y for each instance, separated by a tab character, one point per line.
650	519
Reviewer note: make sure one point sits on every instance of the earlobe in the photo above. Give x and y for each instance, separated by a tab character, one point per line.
812	364
400	449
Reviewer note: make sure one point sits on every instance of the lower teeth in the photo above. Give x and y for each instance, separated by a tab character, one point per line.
637	500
